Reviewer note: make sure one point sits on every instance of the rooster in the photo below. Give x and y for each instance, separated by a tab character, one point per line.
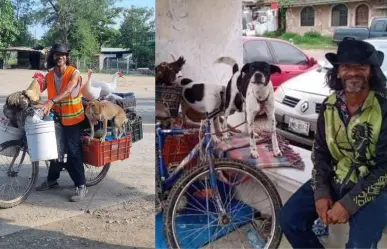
17	103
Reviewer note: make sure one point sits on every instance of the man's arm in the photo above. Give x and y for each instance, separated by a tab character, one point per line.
322	172
369	187
70	87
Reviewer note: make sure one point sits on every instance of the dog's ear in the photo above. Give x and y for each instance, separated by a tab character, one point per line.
246	68
275	69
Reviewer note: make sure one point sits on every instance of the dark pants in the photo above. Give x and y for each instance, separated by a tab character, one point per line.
299	213
74	164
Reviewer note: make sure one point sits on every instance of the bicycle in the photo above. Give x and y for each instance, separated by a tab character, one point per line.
172	200
12	149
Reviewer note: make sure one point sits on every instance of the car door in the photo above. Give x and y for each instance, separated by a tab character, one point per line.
290	59
257	50
379	29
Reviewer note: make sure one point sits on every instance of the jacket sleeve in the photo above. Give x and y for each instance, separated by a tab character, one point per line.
369	187
322	173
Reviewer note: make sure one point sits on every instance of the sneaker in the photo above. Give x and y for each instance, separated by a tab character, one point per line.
80	194
46	185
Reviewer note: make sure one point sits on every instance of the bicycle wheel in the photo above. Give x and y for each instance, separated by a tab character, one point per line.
192	218
15	152
95	175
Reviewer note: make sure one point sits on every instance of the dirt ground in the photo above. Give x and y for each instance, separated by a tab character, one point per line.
12	80
129	225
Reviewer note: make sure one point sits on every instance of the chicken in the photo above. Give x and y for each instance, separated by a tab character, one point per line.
16	103
108	88
89	91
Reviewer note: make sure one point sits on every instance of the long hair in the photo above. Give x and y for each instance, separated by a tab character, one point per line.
51	62
377	80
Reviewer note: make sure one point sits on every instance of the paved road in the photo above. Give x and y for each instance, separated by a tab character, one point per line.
145	108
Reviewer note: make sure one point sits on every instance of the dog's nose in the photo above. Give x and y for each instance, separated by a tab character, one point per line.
258	78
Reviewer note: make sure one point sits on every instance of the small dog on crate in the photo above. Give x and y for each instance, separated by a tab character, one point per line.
104	111
251	90
203	98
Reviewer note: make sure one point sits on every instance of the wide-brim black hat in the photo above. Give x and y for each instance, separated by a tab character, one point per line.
351	51
60	48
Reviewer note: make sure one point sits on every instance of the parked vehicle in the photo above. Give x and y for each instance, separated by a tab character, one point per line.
292	60
378	28
299	99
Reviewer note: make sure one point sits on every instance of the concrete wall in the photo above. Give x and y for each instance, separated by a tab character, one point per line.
201	31
322	21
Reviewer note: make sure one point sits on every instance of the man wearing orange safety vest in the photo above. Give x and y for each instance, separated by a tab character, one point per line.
61	82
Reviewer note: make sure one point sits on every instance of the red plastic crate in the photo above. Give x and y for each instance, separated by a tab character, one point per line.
176	148
99	154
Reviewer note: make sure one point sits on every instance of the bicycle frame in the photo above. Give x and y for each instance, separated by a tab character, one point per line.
167	180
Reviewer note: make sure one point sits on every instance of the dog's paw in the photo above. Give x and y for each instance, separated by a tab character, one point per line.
277	153
225	136
89	140
254	154
102	139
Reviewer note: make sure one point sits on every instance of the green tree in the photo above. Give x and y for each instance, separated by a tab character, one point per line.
135	32
24	15
8	24
65	14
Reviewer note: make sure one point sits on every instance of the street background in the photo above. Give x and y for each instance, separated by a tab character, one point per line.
121	207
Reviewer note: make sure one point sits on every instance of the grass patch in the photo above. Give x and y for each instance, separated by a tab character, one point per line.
310	40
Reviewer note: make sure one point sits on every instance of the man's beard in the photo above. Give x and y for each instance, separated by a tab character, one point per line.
354	84
59	62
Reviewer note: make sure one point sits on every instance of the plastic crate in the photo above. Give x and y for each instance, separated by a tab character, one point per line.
128	103
176	148
170	96
134	126
99	154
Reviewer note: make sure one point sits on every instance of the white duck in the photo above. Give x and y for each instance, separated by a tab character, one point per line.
108	88
89	91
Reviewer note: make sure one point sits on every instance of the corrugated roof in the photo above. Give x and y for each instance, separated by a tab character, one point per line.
299	3
112	50
22	49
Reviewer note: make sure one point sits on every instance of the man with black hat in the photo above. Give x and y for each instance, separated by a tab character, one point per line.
349	154
63	83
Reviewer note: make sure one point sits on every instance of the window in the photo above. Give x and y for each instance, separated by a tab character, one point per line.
307	16
339	16
362	15
288	54
256	51
380	26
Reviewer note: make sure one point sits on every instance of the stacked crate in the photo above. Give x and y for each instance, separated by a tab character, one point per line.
134	125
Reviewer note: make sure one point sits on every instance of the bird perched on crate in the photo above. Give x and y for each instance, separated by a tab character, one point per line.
16	103
167	73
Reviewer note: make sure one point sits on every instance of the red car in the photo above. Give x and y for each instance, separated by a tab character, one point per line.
288	57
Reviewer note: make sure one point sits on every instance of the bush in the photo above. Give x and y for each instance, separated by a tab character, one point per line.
312	34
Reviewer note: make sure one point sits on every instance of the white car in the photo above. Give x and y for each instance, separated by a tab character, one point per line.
299	99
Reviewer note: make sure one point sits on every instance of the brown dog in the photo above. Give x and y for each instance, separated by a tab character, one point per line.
104	111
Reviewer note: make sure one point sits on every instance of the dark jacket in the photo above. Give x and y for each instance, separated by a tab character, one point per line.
350	158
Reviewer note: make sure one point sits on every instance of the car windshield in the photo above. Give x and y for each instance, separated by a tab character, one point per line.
381	45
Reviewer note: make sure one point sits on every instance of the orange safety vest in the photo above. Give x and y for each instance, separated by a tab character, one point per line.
70	110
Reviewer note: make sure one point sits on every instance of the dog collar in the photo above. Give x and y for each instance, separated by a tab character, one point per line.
263	101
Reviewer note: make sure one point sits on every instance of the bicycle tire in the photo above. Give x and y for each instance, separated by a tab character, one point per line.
34	177
99	177
222	163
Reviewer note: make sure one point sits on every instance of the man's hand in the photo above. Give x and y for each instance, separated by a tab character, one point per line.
322	207
338	214
46	107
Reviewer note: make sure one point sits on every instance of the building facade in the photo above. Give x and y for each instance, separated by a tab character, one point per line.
326	15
